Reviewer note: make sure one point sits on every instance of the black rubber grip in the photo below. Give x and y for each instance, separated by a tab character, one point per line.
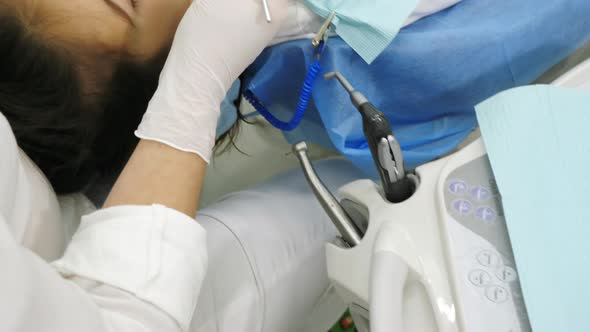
400	191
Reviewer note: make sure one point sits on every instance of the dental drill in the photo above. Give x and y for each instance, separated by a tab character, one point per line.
385	149
350	233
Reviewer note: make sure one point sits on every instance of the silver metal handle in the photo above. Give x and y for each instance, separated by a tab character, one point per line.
341	220
356	97
266	11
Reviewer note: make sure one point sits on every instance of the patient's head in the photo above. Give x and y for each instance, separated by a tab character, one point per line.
76	76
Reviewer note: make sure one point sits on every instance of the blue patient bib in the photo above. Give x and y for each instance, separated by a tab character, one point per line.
428	80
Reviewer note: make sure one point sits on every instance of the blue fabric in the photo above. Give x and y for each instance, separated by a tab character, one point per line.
538	142
368	26
429	79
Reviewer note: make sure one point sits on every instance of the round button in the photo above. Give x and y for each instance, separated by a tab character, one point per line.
497	294
462	206
480	278
458	187
480	193
486	214
488	258
506	274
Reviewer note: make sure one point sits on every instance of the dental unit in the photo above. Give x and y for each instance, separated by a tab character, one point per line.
418	232
440	260
463	275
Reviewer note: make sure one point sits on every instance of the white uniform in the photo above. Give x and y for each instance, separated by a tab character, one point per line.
126	269
141	268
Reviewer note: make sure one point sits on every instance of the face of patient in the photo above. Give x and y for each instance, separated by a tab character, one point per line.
137	28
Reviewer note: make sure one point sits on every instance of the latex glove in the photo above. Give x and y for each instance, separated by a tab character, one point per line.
215	42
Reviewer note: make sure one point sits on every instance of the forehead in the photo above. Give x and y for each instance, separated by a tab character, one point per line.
87	24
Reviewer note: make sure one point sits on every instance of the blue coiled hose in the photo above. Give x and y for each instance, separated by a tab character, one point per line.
304	97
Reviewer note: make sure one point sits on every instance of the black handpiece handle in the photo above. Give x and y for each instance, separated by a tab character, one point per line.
376	126
401	190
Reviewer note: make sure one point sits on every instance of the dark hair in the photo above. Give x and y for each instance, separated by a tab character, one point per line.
122	106
41	96
71	135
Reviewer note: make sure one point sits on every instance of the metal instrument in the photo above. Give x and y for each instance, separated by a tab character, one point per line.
346	227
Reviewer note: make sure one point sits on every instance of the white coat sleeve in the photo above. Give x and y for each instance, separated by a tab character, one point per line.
126	269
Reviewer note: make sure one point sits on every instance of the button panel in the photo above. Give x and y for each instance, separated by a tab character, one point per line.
486	214
480	278
506	274
480	193
462	206
492	275
488	258
481	252
497	294
471	201
457	187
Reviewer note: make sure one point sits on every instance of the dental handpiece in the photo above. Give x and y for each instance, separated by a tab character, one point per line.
349	232
385	149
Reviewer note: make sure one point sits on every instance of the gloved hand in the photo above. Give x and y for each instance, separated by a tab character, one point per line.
215	42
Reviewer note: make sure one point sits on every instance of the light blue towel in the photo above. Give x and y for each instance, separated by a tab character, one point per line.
538	140
368	26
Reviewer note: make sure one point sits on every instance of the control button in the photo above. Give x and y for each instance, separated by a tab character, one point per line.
488	258
506	274
458	187
497	294
486	214
480	278
462	206
480	193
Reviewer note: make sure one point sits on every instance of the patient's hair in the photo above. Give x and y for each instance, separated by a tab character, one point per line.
71	134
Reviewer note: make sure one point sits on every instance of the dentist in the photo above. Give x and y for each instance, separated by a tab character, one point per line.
138	264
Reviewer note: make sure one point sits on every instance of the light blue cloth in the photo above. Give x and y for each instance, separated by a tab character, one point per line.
368	26
539	145
428	80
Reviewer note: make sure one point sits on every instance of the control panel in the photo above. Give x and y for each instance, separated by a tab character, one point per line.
481	262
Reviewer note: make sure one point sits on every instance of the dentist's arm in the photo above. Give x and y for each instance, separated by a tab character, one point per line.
160	174
214	44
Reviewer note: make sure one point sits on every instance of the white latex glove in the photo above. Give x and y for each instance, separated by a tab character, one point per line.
215	42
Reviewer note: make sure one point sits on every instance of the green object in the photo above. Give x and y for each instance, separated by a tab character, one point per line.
338	328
